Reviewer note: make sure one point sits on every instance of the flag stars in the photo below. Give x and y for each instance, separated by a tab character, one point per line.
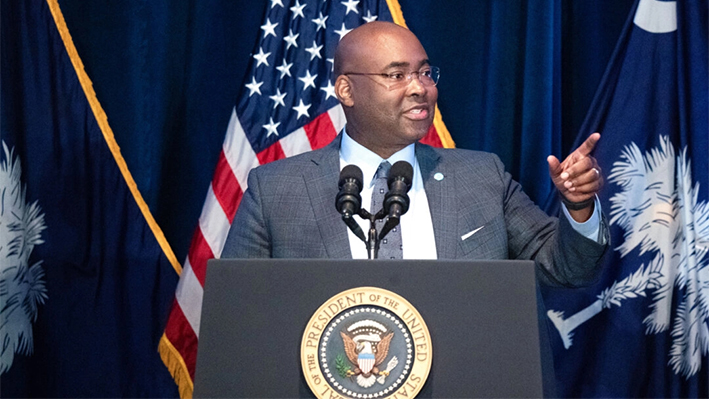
284	69
315	50
369	18
308	80
320	22
290	39
261	57
332	64
276	3
343	31
302	109
254	86
351	6
278	99
271	127
329	90
269	28
297	9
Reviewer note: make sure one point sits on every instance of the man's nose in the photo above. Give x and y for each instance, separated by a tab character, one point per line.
414	85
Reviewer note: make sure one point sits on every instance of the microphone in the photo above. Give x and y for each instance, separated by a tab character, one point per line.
396	201
348	201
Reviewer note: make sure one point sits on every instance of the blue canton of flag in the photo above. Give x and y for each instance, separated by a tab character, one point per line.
291	78
643	330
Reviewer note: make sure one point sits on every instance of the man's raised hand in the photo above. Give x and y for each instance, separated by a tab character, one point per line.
578	178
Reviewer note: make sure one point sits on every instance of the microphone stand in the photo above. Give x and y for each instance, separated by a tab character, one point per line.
374	238
396	201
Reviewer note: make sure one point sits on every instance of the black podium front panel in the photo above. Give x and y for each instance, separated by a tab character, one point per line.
482	317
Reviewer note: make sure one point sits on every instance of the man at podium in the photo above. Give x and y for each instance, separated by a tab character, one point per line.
461	204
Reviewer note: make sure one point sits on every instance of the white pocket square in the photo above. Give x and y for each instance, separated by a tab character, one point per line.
467	235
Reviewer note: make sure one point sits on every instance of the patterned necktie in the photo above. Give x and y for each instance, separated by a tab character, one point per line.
390	246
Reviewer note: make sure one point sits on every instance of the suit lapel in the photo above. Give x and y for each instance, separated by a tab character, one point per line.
439	183
321	179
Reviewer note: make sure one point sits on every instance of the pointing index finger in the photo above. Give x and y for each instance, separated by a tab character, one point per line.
587	146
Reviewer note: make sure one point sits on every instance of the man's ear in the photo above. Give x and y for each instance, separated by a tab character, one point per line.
343	91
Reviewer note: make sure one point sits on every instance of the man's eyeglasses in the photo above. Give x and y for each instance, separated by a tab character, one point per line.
428	76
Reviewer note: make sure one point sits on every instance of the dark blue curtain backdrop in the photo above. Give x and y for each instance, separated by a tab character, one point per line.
517	80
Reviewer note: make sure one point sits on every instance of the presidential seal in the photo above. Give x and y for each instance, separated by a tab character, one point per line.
366	343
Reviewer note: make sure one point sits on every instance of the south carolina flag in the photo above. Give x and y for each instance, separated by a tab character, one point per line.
643	330
86	276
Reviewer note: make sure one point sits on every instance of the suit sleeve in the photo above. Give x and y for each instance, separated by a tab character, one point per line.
563	256
248	236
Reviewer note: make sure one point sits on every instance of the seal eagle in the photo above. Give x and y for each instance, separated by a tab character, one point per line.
368	353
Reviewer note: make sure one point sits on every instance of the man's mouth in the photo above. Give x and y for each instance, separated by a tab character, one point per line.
417	113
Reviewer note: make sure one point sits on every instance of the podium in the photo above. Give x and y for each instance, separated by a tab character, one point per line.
482	319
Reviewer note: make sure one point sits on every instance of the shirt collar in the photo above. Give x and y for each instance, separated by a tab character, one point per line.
355	153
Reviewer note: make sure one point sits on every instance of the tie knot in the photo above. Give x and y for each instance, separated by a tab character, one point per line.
383	170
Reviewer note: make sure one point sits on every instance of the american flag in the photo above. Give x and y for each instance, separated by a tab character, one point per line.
287	106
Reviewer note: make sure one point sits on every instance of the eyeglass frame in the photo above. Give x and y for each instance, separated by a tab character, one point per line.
409	77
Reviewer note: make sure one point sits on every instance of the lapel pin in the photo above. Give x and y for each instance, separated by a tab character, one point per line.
438	176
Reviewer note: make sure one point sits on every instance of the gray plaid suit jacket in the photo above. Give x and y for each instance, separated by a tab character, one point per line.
288	211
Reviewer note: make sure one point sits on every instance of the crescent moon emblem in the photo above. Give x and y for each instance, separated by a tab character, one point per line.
656	16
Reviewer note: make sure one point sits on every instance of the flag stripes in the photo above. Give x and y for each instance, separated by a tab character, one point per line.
219	208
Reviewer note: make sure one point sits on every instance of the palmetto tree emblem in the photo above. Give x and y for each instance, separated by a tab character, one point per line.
658	208
22	287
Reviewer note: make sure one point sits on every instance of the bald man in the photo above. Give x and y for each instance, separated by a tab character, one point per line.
463	203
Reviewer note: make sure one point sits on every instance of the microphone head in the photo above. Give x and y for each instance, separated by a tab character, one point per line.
401	170
351	173
348	201
396	201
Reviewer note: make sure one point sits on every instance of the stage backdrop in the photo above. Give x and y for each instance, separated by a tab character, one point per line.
518	79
